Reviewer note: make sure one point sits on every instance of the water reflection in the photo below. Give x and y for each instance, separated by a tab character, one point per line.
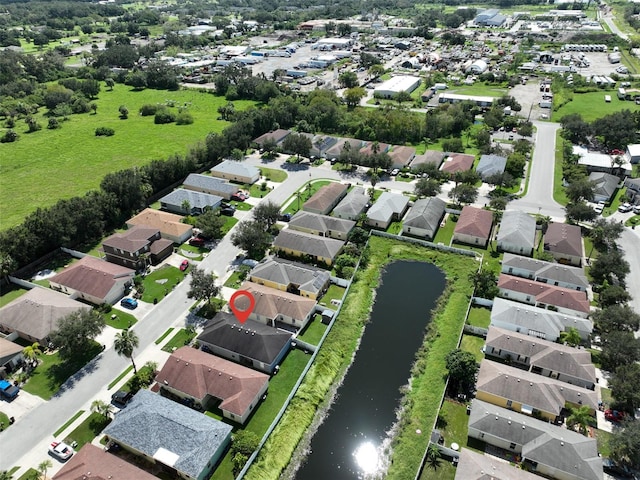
367	458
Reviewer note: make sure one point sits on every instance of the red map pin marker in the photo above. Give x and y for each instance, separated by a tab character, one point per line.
242	314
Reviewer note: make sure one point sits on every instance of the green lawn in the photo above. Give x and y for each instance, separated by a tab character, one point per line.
163	336
306	192
280	386
229	223
242	206
480	89
592	105
313	331
160	282
52	372
453	423
4	420
559	194
273	174
121	376
257	190
234	281
180	339
121	321
10	293
445	233
395	228
31	474
618	199
334	292
77	160
603	437
67	423
195	253
473	345
87	430
479	317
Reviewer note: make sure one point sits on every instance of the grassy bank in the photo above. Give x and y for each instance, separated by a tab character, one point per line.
423	401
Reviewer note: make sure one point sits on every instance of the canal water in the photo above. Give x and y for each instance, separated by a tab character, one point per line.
348	443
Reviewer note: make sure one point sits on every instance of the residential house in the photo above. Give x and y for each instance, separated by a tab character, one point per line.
567	364
517	233
322	225
251	343
423	219
273	307
605	186
93	280
474	226
292	277
633	153
211	185
137	247
327	197
320	144
369	148
633	189
477	466
169	224
36	313
96	463
401	156
189	202
434	157
543	295
490	18
542	448
161	431
602	162
352	205
457	162
236	172
491	165
556	274
564	243
529	393
212	382
11	357
335	150
536	322
277	136
388	208
305	245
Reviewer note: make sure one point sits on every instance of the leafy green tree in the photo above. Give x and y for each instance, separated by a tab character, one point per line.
462	367
110	83
617	317
76	331
30	354
610	267
581	189
266	213
485	283
613	295
348	80
238	460
625	444
353	96
625	386
137	80
203	285
297	144
124	112
125	343
605	233
579	212
427	187
245	442
211	224
434	458
402	97
619	348
252	237
359	236
463	193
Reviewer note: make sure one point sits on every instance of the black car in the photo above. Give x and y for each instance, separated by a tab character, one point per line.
121	398
227	211
285	217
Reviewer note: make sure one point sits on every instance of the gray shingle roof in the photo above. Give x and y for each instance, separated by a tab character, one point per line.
386	206
307	243
304	277
491	164
151	422
478	466
263	343
545	270
208	182
605	183
563	239
541	442
353	204
537	319
517	228
197	200
236	168
426	213
321	223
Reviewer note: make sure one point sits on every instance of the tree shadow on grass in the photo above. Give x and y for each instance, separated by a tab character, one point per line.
64	376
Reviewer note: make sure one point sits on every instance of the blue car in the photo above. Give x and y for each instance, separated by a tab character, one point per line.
129	303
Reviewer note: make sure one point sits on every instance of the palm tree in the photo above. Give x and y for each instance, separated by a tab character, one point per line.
101	407
298	196
43	467
125	342
433	456
374	179
580	417
31	353
4	475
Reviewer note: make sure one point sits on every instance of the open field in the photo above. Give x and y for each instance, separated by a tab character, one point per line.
592	105
46	166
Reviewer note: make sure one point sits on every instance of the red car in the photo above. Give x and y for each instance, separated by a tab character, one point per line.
614	415
184	265
239	197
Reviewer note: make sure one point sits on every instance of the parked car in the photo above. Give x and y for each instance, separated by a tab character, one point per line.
8	391
121	398
394	172
61	451
184	265
624	208
284	217
239	197
636	209
130	303
227	211
197	242
614	415
599	207
609	466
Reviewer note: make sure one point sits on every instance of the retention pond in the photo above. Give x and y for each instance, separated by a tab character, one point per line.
348	443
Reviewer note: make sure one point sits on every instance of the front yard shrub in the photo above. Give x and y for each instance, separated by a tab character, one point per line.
184	118
164	116
9	136
148	109
105	132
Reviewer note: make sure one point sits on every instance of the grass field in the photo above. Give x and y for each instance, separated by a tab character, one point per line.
180	339
87	430
314	330
473	345
10	293
479	317
273	174
479	89
592	105
72	160
160	282
67	423
559	194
